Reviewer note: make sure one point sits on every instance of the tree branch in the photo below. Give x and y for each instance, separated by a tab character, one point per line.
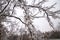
13	17
52	6
37	16
5	7
48	19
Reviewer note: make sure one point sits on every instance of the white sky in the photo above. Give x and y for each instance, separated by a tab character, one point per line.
41	23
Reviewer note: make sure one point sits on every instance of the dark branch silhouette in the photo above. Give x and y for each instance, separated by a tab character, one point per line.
13	17
5	7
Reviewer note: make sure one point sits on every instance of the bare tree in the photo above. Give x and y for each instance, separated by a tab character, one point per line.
5	12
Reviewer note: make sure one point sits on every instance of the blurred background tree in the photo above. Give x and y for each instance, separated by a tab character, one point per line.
7	10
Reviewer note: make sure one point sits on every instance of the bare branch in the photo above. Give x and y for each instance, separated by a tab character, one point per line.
58	12
41	2
13	8
31	6
13	17
5	7
35	6
52	6
37	16
48	19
